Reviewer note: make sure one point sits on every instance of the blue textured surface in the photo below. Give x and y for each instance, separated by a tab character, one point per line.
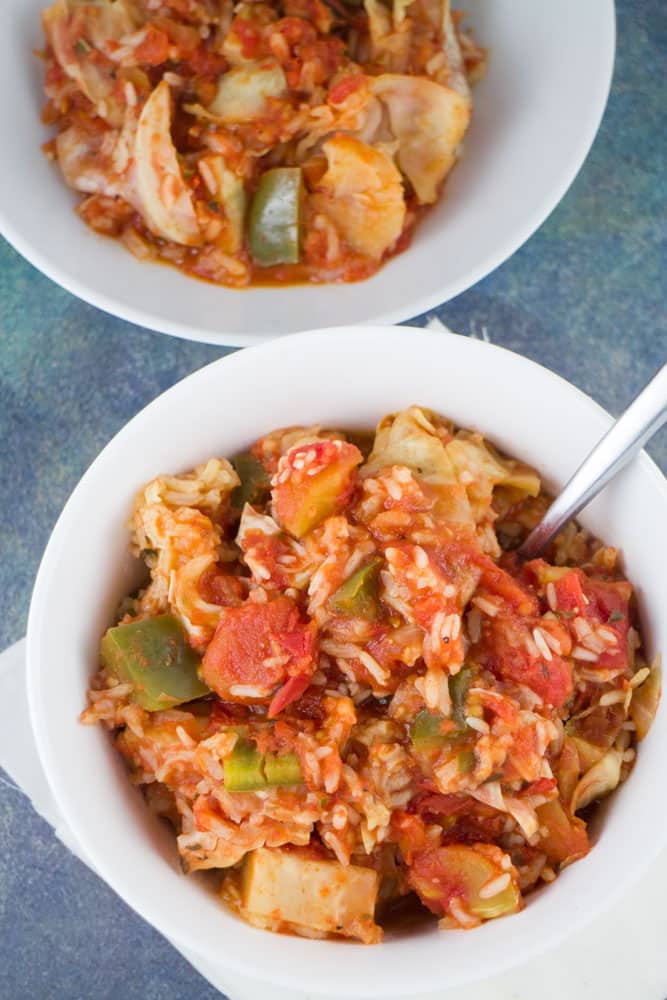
585	296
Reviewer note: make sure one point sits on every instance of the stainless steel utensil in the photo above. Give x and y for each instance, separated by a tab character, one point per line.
643	417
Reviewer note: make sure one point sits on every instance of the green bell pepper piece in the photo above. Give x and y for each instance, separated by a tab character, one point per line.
465	761
430	731
282	770
244	768
274	218
358	595
155	656
459	685
426	731
255	481
248	770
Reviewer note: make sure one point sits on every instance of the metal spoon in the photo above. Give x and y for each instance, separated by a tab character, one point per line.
643	417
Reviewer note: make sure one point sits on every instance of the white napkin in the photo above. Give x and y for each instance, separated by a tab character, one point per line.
621	955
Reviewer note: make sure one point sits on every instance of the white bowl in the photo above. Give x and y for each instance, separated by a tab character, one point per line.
347	377
536	115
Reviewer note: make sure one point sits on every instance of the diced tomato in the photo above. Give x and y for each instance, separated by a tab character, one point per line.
259	646
267	551
543	786
508	657
502	707
500	583
424	609
299	644
204	62
552	680
329	54
609	599
154	47
290	691
218	587
296	30
569	592
601	603
457	560
343	88
249	35
322	56
608	604
530	572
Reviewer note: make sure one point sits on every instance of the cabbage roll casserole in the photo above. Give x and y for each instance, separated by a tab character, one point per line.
274	142
347	695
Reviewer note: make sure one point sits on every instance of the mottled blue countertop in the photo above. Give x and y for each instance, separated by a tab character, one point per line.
585	296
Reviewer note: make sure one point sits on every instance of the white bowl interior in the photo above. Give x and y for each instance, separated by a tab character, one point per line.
349	377
535	118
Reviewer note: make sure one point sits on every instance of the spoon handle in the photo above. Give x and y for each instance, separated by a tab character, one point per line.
645	415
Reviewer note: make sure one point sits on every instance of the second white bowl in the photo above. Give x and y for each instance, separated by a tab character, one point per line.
535	117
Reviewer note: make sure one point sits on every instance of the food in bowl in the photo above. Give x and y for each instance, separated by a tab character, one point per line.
346	693
279	142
